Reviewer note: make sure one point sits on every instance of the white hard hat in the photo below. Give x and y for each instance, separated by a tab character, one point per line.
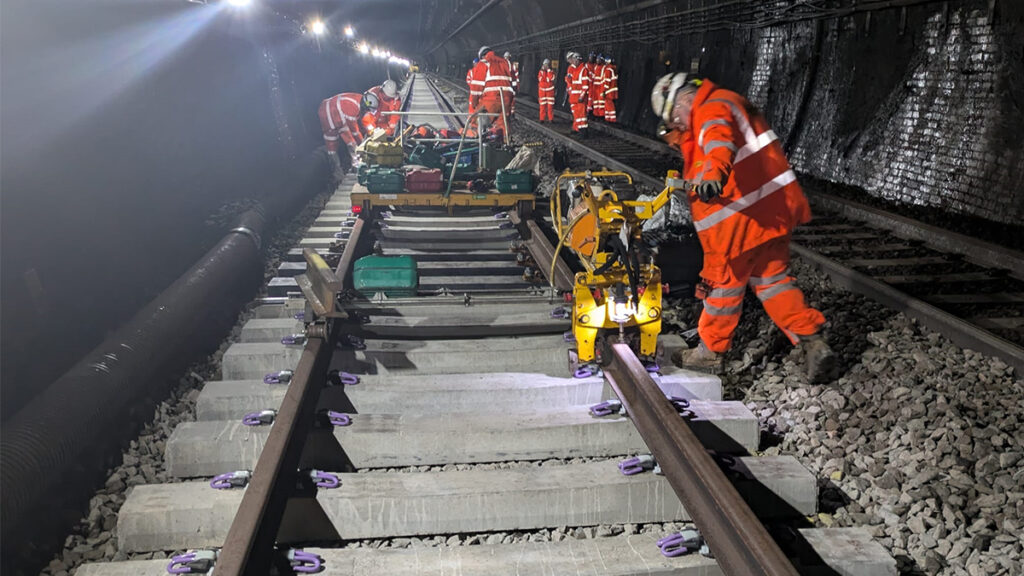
389	88
370	101
663	96
546	62
508	55
483	50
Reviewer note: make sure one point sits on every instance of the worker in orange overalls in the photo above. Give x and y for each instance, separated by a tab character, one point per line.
579	89
472	87
339	119
597	88
387	95
546	91
611	89
496	96
745	203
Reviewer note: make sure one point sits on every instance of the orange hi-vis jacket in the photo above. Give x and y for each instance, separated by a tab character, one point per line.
611	82
730	141
475	78
578	83
546	86
339	118
597	82
378	120
493	78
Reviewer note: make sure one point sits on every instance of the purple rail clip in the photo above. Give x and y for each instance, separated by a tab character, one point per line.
501	216
197	562
344	235
680	543
338	378
583	372
560	313
682	405
569	337
231	480
294	340
338	418
260	418
324	479
636	465
305	562
300	316
282	377
606	408
653	367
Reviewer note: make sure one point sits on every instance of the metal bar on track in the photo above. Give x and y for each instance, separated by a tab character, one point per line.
543	252
738	540
249	545
959	331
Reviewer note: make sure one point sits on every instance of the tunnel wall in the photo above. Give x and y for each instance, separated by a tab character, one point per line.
921	106
131	133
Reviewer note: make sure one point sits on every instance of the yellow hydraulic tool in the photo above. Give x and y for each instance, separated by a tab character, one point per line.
619	289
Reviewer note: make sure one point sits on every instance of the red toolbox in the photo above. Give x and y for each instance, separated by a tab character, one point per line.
423	180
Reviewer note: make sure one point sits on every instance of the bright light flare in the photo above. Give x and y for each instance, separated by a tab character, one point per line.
349	31
240	3
363	48
318	28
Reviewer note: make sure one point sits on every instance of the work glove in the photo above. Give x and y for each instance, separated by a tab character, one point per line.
709	189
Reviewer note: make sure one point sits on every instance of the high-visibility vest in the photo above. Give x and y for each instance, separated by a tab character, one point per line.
611	82
546	86
580	85
730	141
498	78
386	105
597	82
343	115
476	77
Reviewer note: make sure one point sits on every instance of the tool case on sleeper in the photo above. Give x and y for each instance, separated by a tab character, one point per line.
395	276
426	156
385	181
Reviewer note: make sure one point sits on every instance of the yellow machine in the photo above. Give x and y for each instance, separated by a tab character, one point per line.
619	289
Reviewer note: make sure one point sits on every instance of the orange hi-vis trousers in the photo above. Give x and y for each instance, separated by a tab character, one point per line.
766	270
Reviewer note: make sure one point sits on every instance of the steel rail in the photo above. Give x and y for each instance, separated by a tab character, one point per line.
543	252
738	540
249	546
959	331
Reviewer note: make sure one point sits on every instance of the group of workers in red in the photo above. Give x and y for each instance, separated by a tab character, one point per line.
350	117
592	88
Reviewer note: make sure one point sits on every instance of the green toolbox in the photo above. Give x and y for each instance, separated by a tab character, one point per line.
385	181
383	154
426	156
495	158
395	276
518	181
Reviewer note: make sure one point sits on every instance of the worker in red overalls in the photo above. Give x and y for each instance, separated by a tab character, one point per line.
745	202
387	95
611	89
339	120
472	87
579	90
597	88
546	91
496	77
514	69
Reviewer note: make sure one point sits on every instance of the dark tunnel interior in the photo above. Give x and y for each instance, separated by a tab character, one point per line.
132	129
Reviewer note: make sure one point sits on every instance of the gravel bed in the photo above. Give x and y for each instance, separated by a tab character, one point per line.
919	440
94	538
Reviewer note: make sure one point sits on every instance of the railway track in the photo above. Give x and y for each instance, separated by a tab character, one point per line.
969	290
390	435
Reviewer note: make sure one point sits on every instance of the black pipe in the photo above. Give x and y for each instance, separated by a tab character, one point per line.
73	427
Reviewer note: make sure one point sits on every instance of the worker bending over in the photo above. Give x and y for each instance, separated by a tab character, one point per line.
546	91
578	85
495	77
387	96
339	120
611	89
745	204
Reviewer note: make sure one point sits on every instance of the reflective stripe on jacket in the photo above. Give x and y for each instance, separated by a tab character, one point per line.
497	77
611	82
477	78
342	114
579	84
546	86
730	141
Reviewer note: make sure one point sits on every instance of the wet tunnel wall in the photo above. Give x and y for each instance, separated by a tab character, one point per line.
920	106
132	133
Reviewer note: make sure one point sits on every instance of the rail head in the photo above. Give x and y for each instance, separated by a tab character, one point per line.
738	540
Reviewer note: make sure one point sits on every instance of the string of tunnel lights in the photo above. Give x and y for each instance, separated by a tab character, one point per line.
319	29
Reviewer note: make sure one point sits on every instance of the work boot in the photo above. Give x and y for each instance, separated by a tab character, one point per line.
820	360
700	359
